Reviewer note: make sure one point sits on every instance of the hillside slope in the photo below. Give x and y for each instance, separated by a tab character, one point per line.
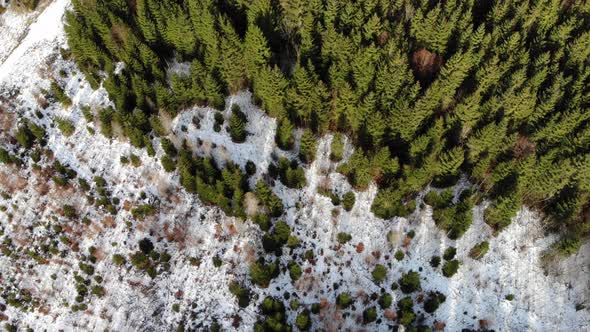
47	248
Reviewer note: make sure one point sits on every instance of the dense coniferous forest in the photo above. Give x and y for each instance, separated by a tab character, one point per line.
427	90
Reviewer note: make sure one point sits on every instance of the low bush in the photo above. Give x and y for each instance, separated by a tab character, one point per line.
399	255
385	300
369	315
66	126
60	95
449	253
450	268
479	250
302	321
241	293
409	282
348	200
379	273
337	148
344	300
261	273
343	238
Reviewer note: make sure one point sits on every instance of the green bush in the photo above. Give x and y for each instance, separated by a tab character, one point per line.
284	135
433	301
118	259
250	168
344	300
449	253
509	297
337	148
307	148
241	293
406	314
399	255
291	174
379	273
409	282
479	250
294	271
370	315
66	126
388	204
261	274
237	124
343	238
450	268
60	95
435	261
24	137
87	113
348	200
168	164
169	147
302	321
385	300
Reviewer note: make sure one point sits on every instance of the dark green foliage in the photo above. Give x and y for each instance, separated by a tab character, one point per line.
406	314
348	200
142	211
294	271
241	293
369	315
409	282
118	259
388	204
568	246
66	126
307	147
302	321
385	301
250	168
269	199
449	253
479	250
291	174
343	238
435	261
344	300
261	273
284	135
69	211
454	218
509	297
88	113
168	147
379	273
277	239
399	255
450	268
433	301
274	316
24	137
506	106
60	95
237	124
168	164
337	147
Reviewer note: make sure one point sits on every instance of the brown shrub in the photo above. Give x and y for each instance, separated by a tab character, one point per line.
426	64
523	147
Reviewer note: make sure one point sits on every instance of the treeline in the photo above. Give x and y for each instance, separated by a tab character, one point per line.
497	90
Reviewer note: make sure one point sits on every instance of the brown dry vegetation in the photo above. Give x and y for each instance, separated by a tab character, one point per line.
426	64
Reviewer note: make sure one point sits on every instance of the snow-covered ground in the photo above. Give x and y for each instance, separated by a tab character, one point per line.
545	294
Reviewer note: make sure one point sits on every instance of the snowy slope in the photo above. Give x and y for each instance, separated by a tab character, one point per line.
545	298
